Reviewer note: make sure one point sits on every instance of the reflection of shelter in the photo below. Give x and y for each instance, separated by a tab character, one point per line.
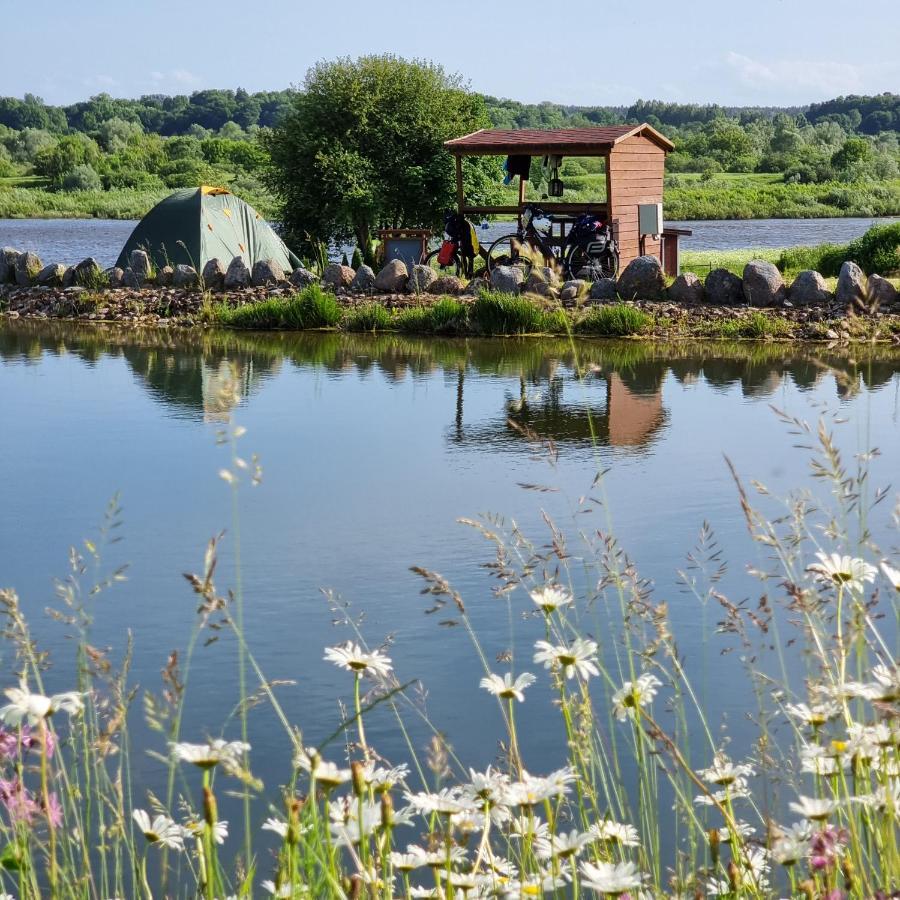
632	415
635	157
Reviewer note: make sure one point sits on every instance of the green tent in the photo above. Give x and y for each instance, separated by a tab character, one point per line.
195	225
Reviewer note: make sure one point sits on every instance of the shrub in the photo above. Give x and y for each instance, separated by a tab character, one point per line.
755	326
368	317
878	250
82	178
614	320
497	313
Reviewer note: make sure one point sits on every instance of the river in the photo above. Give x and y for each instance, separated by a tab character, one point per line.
71	240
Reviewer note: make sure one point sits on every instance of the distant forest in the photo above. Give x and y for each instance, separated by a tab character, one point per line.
162	142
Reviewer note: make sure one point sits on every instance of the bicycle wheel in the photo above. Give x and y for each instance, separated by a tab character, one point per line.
511	251
454	267
581	264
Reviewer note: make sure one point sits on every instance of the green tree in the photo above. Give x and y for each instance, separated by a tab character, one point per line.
70	151
361	145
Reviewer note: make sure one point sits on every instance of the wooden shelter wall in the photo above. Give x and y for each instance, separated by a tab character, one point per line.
635	172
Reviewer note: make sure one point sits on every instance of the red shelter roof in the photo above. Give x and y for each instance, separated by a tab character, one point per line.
596	141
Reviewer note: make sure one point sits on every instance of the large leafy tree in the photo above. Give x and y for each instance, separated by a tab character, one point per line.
361	146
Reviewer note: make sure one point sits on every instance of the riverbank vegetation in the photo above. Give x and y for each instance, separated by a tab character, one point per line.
115	157
651	794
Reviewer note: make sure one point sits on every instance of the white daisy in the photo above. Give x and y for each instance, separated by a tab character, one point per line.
414	858
892	575
159	830
724	772
842	570
326	773
813	808
219	830
816	715
616	833
611	878
505	687
577	659
212	753
353	658
551	597
33	708
562	846
633	695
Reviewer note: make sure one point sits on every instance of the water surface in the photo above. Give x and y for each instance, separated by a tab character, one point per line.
372	449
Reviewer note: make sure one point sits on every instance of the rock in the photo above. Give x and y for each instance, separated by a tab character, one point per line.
301	278
851	285
68	279
808	289
686	288
507	279
185	276
139	262
420	279
363	281
28	265
642	279
88	273
164	276
114	276
446	284
214	274
51	275
573	289
541	280
880	291
337	276
237	275
604	289
266	271
392	278
763	284
724	288
8	257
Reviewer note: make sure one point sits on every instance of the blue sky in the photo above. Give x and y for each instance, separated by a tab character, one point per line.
768	52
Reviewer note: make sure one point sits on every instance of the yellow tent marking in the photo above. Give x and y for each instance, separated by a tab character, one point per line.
213	191
226	212
242	247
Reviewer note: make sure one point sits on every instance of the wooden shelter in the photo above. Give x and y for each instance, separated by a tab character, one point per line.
635	158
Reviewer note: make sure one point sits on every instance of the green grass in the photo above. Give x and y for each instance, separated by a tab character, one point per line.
312	308
447	316
614	320
494	313
757	325
368	317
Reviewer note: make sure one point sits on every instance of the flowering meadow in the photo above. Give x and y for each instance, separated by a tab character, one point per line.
699	817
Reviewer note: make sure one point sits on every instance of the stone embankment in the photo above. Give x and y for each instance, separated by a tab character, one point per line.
182	296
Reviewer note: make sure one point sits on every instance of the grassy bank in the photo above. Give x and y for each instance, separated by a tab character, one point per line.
497	314
685	196
799	800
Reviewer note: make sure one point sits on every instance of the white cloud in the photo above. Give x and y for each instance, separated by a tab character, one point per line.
815	79
174	80
104	82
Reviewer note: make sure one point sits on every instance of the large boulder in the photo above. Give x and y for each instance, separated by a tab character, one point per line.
573	289
881	292
301	278
364	280
392	278
8	257
51	275
446	284
88	273
237	275
214	274
185	276
337	276
808	288
69	277
642	279
28	265
851	285
507	279
724	288
164	276
687	288
604	289
266	271
139	263
420	279
114	276
763	284
542	280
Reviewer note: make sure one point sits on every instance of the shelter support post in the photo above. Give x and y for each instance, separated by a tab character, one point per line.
460	195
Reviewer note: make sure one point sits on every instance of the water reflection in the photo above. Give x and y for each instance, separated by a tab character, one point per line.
604	391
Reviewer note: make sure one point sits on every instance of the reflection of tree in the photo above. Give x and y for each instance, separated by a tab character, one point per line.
187	369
